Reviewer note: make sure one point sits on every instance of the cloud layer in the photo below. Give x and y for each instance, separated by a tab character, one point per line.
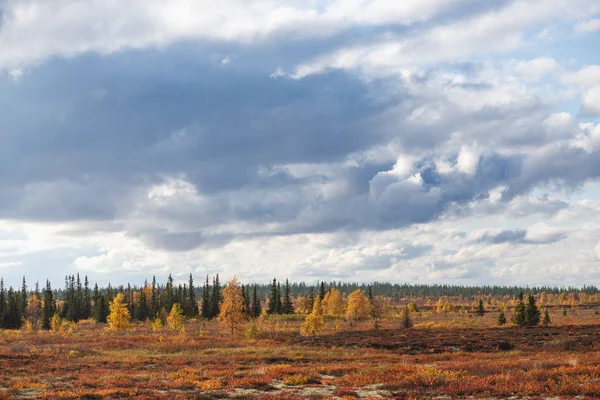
358	140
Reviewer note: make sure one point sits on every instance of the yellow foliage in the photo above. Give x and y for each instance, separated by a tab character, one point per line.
314	321
333	303
358	307
295	380
119	317
56	323
175	318
157	324
253	331
231	313
33	312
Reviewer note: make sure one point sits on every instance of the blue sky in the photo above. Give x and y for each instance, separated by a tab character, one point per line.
439	141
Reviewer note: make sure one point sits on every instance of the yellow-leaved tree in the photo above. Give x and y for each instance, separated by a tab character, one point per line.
333	303
314	321
358	307
231	313
118	319
33	312
175	318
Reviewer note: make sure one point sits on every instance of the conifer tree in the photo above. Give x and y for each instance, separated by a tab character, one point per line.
118	319
310	300
141	311
480	309
154	298
231	313
192	302
287	307
532	313
272	306
101	309
48	309
23	298
87	299
255	305
2	302
12	318
501	318
248	301
546	321
206	306
322	290
216	298
519	315
279	303
406	321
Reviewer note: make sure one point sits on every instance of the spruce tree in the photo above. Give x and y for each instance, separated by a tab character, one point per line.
480	309
501	318
206	306
141	311
154	298
322	290
192	302
12	319
101	309
287	306
546	321
23	298
272	307
256	307
310	300
279	303
2	302
87	299
48	307
216	297
519	315
532	313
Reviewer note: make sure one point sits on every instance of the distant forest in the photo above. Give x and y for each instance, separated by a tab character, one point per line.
394	291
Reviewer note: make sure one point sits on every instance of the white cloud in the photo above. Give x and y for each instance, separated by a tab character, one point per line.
588	26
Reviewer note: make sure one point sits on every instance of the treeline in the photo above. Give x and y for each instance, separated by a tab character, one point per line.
78	301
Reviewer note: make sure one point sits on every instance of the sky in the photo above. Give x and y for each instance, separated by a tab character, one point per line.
432	141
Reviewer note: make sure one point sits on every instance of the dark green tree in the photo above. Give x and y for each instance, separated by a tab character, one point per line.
518	317
22	305
154	306
87	299
192	303
2	302
480	309
501	318
287	306
322	290
532	312
272	307
206	297
12	318
255	305
101	309
546	321
215	302
141	311
48	307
